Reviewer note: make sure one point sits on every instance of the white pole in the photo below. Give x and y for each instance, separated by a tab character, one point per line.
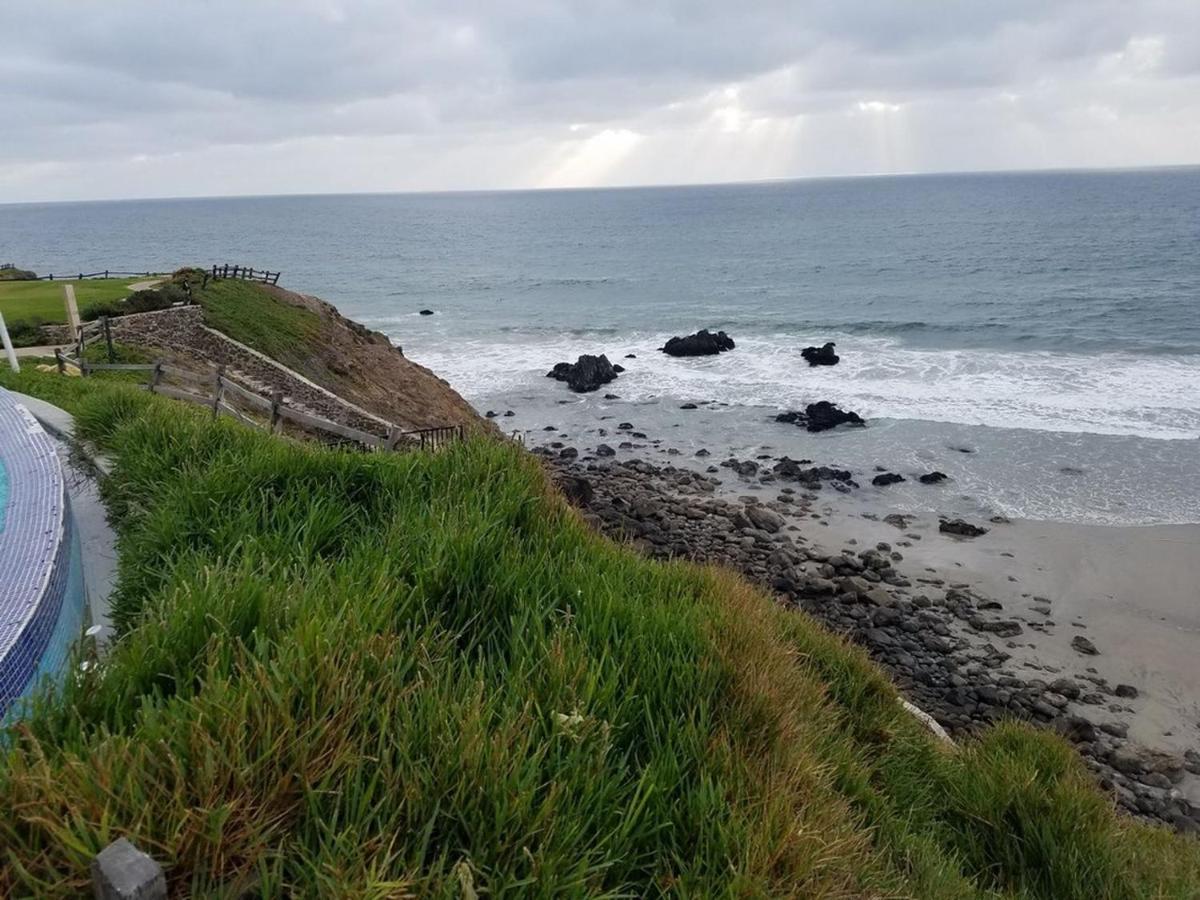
8	347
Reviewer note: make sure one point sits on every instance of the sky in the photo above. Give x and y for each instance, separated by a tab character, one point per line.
165	98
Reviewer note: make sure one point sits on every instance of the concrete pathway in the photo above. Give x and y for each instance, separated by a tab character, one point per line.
72	309
145	285
46	350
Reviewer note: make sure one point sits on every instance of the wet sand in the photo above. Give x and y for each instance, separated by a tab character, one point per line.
1134	592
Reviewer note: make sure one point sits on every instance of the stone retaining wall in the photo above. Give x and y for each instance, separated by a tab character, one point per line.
181	329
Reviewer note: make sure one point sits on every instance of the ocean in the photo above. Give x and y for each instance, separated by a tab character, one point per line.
1047	322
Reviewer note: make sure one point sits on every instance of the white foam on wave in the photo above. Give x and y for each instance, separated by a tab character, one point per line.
1114	393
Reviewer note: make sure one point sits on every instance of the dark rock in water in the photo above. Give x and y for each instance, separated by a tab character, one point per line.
1084	646
604	450
933	478
612	396
792	469
702	343
821	416
897	520
491	414
963	449
820	356
625	426
1071	470
886	478
618	368
688	406
631	356
426	312
702	452
1128	691
550	428
749	467
586	374
568	453
509	413
960	528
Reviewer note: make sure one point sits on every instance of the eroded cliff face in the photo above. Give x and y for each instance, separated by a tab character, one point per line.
364	367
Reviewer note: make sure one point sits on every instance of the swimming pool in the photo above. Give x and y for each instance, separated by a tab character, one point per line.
42	599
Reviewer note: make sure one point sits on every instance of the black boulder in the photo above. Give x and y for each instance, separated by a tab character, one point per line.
702	343
821	356
821	416
585	374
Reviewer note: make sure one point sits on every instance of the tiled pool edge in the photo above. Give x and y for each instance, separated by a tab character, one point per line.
36	564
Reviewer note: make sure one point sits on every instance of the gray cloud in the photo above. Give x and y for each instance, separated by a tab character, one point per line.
134	97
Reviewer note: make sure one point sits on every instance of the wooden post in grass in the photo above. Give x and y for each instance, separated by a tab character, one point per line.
155	375
112	357
276	403
218	388
58	358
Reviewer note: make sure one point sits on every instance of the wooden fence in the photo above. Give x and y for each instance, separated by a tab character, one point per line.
246	273
218	392
107	273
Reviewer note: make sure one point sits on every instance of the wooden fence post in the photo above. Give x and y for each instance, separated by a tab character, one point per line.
58	358
276	403
108	339
393	438
218	387
155	375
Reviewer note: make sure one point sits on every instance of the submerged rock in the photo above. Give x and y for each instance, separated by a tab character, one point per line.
960	528
821	356
933	478
585	374
887	478
821	416
702	343
790	469
426	312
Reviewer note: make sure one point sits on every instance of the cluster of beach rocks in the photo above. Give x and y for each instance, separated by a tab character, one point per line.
944	644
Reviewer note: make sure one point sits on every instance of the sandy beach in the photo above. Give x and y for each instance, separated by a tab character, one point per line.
1134	592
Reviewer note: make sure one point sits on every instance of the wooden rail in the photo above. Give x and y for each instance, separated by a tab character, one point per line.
107	273
211	389
246	273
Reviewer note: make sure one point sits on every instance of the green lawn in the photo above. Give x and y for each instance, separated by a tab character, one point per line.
44	301
381	675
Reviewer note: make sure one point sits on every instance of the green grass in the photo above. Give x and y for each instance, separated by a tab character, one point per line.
246	312
381	675
44	301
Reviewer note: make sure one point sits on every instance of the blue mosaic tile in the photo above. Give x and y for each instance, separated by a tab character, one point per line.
36	573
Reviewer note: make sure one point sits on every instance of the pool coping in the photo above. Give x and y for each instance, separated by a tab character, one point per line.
34	544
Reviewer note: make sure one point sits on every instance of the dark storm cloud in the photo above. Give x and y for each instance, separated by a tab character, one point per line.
102	83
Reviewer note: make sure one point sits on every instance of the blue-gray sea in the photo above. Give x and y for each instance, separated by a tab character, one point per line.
1049	322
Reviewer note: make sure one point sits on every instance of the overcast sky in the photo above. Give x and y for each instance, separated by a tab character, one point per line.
143	98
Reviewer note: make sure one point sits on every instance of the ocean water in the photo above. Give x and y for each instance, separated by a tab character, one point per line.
1049	322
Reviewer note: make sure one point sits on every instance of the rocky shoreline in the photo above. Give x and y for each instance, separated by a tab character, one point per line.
947	647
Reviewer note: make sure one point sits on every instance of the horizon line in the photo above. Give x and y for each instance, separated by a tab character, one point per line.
783	179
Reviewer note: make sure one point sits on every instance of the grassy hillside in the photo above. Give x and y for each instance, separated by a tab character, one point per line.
313	338
380	675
